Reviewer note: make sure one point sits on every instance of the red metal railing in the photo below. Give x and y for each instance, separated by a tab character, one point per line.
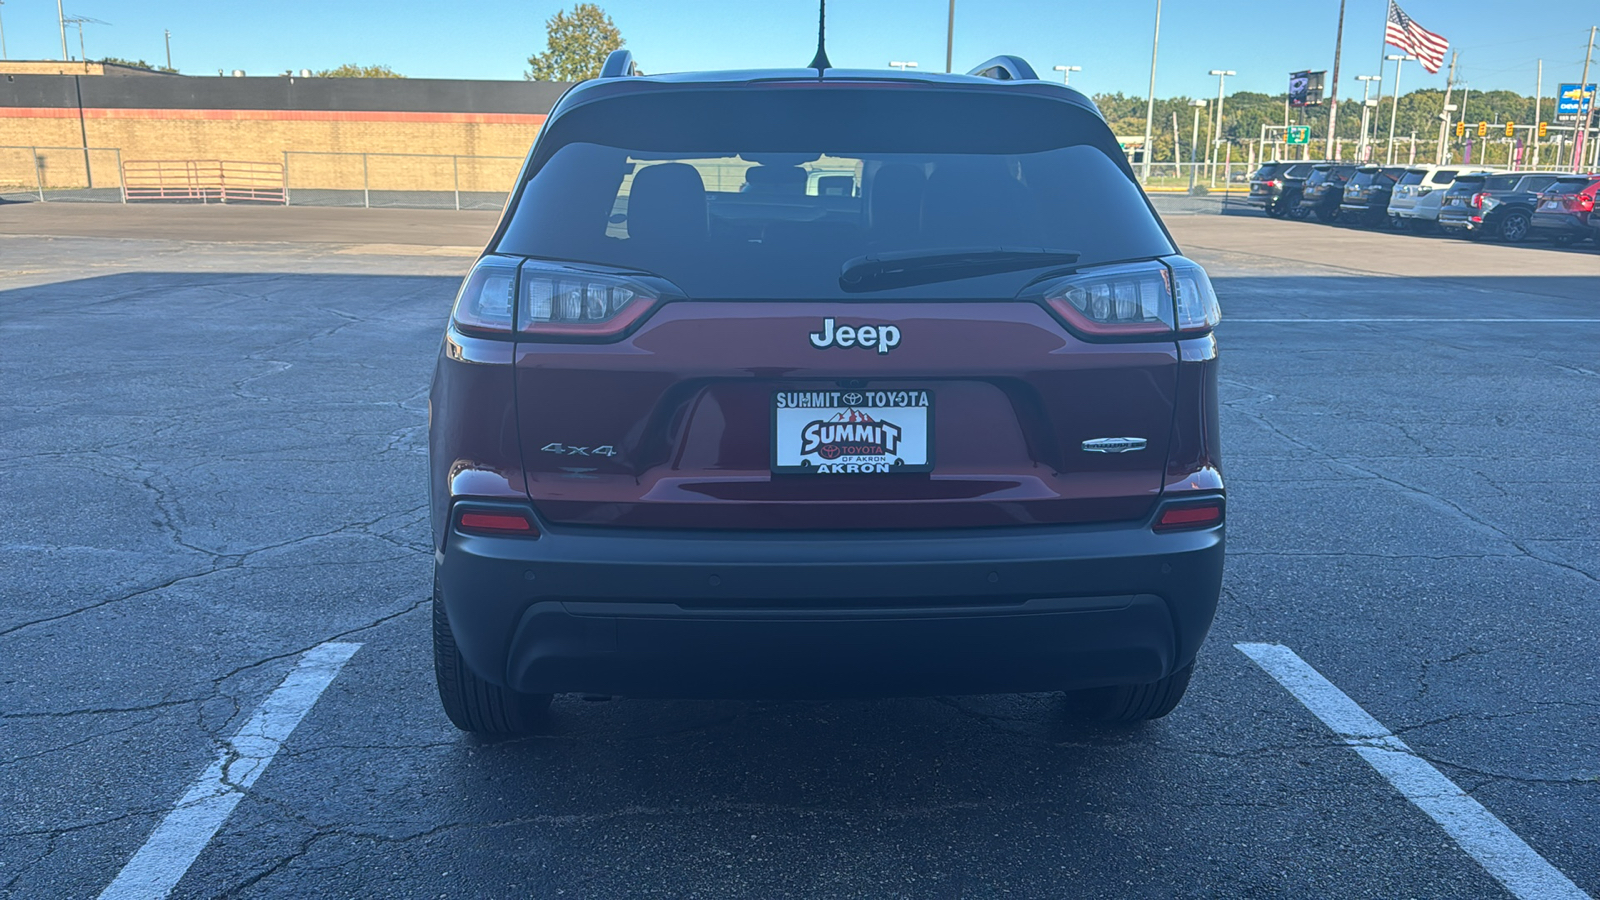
206	180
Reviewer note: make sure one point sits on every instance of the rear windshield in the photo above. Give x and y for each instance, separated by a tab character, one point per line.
1299	171
1267	170
1443	176
1571	185
1415	176
1467	184
766	194
1501	182
1318	175
1362	179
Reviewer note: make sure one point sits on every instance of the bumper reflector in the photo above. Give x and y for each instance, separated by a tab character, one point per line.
1176	517
479	522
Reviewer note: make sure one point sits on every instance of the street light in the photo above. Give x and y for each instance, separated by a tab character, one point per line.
1216	134
1366	85
902	66
1395	109
1150	103
1066	71
3	54
1194	140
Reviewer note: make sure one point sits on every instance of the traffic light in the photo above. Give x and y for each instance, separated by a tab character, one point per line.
1483	129
1544	128
1511	129
1461	129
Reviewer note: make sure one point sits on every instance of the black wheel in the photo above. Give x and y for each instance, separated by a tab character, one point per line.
1297	212
1275	208
1514	226
1131	702
1327	216
473	704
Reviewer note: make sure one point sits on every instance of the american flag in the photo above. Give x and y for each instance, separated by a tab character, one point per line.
1404	32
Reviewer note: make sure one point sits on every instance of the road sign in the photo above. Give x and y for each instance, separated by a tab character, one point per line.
1544	128
1511	129
1461	129
1572	103
1299	134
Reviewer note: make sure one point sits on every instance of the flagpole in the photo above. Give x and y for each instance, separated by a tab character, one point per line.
1333	96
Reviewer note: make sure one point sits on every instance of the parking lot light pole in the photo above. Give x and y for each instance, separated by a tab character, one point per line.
1066	71
1366	86
902	66
1150	104
1194	140
1216	134
3	53
1395	109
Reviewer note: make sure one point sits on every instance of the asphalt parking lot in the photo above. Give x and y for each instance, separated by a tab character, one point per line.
215	556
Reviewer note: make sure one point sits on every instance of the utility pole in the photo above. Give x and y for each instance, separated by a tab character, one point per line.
1066	72
1194	140
61	17
1333	96
950	38
168	34
1395	109
1150	105
3	54
1538	91
1580	144
1444	114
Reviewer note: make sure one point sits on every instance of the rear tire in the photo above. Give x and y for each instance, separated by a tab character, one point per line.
1275	208
1327	216
1131	702
1514	226
475	705
1297	212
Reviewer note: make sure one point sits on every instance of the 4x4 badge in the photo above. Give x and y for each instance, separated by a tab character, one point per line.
1114	445
883	337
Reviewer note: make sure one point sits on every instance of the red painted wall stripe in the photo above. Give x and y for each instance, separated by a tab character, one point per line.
273	115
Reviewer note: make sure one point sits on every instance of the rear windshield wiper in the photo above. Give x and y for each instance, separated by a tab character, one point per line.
882	271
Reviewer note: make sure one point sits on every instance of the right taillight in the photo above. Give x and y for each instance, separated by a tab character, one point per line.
1135	301
1478	199
1116	301
1198	309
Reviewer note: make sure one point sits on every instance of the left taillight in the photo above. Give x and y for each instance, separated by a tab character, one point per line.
487	299
561	302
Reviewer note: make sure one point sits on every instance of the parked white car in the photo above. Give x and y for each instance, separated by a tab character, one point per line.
1416	199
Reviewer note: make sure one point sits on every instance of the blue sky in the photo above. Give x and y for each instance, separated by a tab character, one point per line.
1110	39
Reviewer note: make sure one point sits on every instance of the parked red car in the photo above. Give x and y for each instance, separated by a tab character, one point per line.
1566	208
825	382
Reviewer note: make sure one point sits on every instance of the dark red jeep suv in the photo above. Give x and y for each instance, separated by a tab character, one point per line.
825	382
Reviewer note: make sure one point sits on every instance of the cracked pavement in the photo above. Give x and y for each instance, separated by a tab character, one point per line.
213	460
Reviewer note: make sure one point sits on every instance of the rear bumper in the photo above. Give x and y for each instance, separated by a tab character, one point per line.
1550	224
685	614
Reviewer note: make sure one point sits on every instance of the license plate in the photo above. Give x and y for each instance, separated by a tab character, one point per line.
1550	204
848	432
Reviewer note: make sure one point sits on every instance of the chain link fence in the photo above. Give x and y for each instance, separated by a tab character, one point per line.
61	174
402	180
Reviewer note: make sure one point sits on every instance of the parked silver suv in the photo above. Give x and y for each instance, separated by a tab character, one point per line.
1416	199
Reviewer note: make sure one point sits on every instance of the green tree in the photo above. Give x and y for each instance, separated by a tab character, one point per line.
136	64
351	70
576	46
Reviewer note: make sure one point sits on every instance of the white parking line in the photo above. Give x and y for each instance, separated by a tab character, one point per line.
1485	838
1382	319
154	871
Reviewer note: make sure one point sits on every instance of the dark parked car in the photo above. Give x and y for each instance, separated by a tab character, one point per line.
1276	187
1495	204
699	428
1565	210
1324	190
1367	193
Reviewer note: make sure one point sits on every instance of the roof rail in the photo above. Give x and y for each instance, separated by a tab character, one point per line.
1006	68
618	64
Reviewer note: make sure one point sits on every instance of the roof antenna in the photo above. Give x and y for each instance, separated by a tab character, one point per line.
820	61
